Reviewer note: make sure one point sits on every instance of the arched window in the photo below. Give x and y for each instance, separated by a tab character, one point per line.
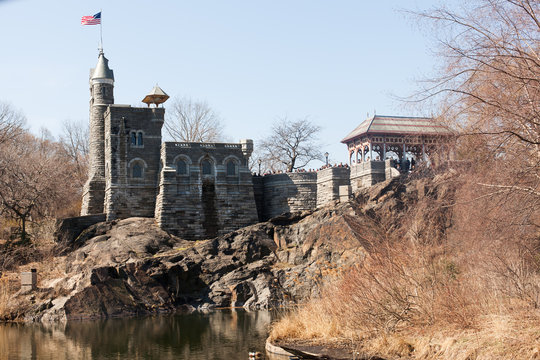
231	168
137	171
181	167
206	167
136	138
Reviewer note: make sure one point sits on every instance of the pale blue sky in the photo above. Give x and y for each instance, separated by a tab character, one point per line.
252	61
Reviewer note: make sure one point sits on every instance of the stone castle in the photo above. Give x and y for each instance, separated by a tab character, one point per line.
197	190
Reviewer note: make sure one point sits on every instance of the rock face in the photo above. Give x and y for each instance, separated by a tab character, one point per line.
131	266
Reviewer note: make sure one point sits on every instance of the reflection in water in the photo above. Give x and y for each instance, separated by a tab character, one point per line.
216	335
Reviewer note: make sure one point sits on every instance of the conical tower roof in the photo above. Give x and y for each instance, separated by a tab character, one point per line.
102	70
156	96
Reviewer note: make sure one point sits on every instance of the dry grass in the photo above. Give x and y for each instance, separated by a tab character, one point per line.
38	254
512	336
313	320
4	294
9	284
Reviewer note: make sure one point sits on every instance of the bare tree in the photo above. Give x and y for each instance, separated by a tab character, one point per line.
35	180
490	84
193	121
490	89
291	144
74	141
11	122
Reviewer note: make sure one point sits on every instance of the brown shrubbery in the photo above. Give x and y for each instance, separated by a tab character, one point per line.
452	264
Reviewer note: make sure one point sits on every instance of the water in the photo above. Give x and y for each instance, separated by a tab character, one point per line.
224	335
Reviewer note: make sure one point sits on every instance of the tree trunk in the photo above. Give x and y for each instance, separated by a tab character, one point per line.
23	229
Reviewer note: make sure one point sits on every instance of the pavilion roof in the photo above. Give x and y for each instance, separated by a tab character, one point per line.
397	125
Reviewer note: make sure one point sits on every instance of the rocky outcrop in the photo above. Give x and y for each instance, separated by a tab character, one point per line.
131	266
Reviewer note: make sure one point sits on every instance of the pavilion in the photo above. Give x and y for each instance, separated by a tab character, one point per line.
381	137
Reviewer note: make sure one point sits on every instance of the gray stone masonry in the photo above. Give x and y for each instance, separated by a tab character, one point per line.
93	196
205	189
289	192
132	152
369	173
328	182
258	192
344	193
366	174
101	96
390	170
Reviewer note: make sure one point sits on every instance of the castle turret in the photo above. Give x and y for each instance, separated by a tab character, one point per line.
101	96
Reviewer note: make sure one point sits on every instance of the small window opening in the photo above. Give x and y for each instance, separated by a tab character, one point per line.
206	167
231	168
137	171
140	139
181	167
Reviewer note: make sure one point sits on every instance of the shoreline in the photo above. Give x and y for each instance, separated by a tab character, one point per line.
306	350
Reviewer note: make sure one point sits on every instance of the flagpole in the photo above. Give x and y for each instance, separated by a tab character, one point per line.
101	28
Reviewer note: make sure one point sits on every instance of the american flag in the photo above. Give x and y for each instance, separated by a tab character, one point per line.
91	20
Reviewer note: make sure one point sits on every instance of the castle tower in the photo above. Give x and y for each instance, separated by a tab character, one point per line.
132	158
101	96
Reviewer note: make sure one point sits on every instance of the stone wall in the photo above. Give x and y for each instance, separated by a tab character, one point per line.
390	169
366	174
93	196
328	182
289	192
205	189
258	192
129	192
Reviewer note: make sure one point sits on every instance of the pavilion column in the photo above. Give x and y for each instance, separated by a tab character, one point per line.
404	151
423	152
370	151
384	151
362	153
356	155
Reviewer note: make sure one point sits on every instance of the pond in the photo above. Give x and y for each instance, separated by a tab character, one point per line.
227	334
